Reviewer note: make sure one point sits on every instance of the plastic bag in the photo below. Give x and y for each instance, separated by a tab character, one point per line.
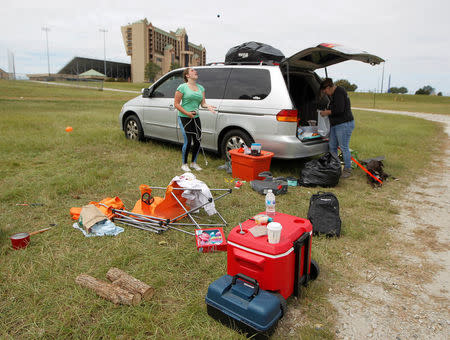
323	125
324	171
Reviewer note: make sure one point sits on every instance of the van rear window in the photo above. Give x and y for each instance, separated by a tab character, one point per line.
248	84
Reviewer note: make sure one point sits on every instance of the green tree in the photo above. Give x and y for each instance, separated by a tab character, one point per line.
151	70
174	66
346	85
439	94
427	90
401	90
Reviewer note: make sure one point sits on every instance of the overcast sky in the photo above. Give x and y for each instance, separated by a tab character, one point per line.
412	36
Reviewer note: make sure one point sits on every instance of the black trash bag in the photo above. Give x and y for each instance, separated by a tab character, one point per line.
324	171
253	51
278	185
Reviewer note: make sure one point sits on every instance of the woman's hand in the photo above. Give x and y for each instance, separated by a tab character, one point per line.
211	108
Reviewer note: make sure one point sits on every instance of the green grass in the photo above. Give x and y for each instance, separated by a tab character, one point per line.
41	163
402	102
126	86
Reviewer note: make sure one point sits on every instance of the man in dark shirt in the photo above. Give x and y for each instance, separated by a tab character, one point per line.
341	122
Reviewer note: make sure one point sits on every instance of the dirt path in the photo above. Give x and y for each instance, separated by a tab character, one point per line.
413	302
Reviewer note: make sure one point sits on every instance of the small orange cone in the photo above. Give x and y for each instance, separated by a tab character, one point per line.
69	129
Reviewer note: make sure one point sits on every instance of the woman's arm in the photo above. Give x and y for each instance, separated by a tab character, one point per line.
324	113
177	104
206	106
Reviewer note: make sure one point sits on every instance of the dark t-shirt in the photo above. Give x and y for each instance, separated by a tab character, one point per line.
340	107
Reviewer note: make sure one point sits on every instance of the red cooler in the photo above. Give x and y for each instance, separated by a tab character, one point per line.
279	268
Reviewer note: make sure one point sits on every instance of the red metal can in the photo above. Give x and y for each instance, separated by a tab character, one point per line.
20	240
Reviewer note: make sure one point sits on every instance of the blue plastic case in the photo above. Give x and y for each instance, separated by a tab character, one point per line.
238	302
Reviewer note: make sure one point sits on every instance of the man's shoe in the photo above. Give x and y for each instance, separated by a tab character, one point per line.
195	166
185	168
346	173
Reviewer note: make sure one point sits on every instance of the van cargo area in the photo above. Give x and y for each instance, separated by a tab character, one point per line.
305	94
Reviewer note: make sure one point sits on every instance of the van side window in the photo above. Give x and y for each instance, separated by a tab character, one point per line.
248	84
214	81
168	87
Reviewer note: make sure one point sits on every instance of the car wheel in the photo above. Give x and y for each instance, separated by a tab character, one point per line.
233	139
133	128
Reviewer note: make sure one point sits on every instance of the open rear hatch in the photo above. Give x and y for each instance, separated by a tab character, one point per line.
326	54
303	90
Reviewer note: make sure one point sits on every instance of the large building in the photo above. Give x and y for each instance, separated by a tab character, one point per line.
4	75
145	42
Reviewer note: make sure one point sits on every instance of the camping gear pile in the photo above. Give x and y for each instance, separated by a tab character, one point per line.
183	196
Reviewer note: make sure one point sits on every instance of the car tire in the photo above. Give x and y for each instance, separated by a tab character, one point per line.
233	139
133	128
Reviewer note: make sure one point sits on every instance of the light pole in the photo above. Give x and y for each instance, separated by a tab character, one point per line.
46	29
104	48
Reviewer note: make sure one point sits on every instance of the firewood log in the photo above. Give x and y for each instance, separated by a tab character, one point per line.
126	281
108	291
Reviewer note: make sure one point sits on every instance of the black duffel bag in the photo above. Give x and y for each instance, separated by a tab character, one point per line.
253	51
323	214
324	171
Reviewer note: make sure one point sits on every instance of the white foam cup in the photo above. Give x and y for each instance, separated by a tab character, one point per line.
274	232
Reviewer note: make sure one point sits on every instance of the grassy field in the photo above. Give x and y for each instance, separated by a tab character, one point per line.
402	102
41	163
126	86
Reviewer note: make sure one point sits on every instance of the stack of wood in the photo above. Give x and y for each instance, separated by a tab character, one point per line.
124	289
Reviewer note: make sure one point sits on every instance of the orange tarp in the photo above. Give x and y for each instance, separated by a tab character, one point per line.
110	202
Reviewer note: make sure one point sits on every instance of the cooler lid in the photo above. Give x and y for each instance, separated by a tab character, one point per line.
293	228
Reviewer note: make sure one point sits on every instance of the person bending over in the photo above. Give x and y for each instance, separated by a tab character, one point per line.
342	122
188	97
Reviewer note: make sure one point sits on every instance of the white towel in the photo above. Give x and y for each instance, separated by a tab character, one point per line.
195	198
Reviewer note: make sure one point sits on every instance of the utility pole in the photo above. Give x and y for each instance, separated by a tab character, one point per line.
46	29
104	48
382	79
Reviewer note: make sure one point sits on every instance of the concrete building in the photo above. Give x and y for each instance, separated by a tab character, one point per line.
4	75
145	42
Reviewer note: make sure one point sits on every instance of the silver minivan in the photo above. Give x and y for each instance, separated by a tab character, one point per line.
262	102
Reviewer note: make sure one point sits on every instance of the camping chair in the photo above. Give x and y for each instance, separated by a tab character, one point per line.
160	213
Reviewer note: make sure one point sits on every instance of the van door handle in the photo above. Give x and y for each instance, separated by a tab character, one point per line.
171	107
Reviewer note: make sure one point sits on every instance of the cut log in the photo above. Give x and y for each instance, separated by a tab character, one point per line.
108	291
126	281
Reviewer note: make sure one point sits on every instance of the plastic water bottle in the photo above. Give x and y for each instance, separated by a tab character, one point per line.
270	203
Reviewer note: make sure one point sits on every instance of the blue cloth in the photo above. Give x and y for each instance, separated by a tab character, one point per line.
102	228
340	136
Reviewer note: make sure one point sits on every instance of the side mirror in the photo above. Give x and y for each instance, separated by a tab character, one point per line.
145	92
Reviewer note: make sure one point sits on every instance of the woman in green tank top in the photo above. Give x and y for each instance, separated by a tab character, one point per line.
188	97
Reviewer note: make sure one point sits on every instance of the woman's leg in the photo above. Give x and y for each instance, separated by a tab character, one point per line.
332	141
196	138
183	122
343	134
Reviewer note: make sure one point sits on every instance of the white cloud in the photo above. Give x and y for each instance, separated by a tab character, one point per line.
410	35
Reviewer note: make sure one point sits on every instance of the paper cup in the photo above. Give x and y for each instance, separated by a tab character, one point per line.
274	232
